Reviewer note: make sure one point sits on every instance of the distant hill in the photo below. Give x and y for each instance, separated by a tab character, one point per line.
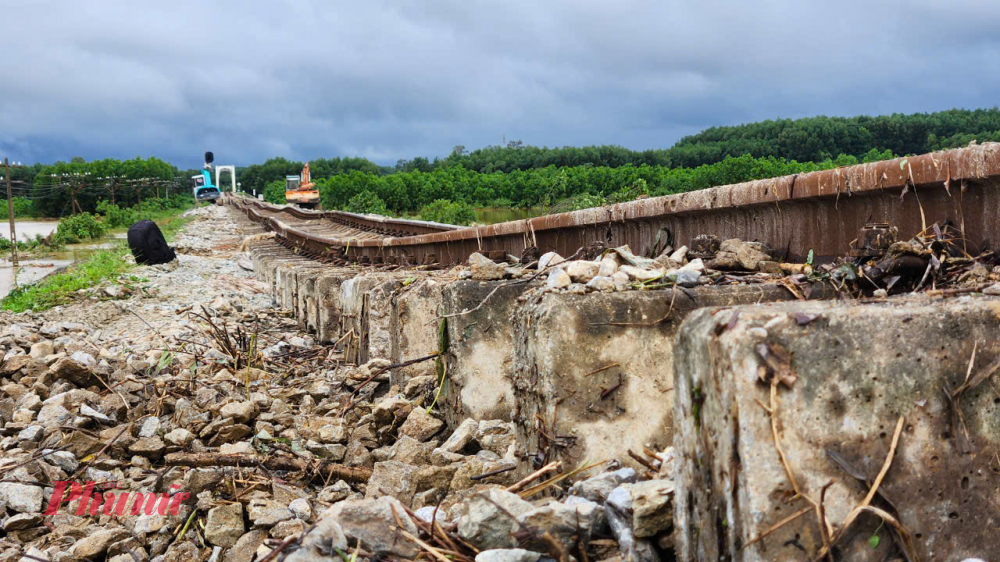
808	140
811	139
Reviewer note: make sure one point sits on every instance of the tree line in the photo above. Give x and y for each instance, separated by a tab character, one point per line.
64	188
560	188
811	139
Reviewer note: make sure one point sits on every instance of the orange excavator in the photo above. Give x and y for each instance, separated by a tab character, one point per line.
300	190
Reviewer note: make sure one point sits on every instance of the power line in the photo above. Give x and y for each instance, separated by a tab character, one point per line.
10	214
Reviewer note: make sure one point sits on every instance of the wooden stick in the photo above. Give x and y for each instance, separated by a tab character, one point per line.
433	551
780	524
284	544
554	465
101	452
863	506
493	472
642	461
339	471
605	368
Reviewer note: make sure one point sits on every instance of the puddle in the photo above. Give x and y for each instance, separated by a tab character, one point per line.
28	229
34	268
30	271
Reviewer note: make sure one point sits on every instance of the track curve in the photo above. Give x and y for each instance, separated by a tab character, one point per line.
821	211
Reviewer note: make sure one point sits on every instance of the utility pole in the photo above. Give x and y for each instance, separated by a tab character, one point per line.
76	187
72	196
10	215
112	187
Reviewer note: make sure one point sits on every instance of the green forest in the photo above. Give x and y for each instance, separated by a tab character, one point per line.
524	176
566	178
566	188
78	186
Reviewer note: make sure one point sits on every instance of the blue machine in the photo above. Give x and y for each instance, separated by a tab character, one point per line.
201	184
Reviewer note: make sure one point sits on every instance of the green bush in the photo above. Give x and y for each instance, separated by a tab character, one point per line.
448	212
586	201
150	206
274	192
76	228
124	217
179	200
117	217
367	202
629	193
23	245
23	208
60	288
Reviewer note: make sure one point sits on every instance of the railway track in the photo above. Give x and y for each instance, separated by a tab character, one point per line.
820	211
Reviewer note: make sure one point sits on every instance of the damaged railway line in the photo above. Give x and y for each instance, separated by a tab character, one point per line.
642	345
821	211
798	368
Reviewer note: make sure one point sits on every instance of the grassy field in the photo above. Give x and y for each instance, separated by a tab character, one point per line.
170	222
61	288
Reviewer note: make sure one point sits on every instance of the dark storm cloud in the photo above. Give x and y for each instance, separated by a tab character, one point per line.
389	80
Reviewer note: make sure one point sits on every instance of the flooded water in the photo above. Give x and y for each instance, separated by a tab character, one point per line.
28	272
28	229
33	269
493	215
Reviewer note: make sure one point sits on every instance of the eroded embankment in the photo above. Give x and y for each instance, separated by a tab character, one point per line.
309	411
583	365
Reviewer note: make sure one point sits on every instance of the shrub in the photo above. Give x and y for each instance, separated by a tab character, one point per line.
179	200
274	192
586	201
23	207
448	212
80	227
24	245
367	202
634	191
151	206
117	217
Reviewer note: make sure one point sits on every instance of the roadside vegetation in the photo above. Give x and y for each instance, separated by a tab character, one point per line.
23	208
274	192
567	188
86	226
103	264
516	175
60	288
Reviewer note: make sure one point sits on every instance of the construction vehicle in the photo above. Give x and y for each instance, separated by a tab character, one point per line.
300	190
201	184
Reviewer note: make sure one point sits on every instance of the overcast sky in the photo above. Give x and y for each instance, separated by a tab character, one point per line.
389	80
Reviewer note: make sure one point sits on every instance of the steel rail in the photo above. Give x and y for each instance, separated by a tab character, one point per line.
821	211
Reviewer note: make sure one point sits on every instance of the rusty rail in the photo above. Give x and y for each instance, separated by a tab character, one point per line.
821	211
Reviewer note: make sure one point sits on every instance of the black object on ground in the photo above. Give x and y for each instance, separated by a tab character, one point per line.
148	244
